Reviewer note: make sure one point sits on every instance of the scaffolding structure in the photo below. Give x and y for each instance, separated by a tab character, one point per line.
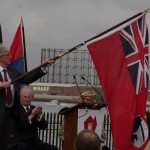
78	63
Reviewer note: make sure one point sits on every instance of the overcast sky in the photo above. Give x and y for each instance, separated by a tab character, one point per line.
63	23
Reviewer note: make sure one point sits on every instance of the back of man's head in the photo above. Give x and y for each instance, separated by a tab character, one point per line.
87	140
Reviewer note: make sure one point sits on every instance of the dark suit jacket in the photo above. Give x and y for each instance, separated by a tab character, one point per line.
14	111
25	130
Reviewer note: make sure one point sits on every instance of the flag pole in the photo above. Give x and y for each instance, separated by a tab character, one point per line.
118	25
1	37
108	30
24	45
79	45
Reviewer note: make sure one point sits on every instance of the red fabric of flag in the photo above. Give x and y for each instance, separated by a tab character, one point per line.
17	51
121	62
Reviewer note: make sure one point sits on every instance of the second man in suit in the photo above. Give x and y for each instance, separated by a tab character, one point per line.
25	133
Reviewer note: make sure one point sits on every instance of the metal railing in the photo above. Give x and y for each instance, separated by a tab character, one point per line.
50	135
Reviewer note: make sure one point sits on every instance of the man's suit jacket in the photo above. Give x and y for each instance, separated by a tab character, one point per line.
25	130
14	111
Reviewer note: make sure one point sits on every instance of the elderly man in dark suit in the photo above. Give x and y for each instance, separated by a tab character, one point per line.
25	135
10	93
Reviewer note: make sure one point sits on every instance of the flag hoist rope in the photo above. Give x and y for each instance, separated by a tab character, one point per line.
81	44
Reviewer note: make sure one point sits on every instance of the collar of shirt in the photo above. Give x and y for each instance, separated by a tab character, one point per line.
26	107
2	73
1	68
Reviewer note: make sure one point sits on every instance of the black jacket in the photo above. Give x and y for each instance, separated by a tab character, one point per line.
26	130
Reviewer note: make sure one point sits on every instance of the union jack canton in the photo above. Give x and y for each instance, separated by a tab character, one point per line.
135	43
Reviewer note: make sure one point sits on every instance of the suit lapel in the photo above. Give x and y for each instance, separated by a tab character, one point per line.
1	79
24	111
12	77
11	74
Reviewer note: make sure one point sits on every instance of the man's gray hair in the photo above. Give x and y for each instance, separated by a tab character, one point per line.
27	87
3	49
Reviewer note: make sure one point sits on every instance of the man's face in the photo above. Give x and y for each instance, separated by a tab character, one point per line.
26	97
5	58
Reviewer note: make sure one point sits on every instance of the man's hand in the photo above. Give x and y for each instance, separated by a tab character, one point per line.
49	62
5	84
36	112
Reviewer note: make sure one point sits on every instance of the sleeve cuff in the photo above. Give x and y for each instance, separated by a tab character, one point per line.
44	70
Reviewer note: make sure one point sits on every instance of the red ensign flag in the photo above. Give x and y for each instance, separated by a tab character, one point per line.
121	61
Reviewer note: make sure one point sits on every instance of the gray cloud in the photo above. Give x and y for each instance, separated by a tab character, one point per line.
62	23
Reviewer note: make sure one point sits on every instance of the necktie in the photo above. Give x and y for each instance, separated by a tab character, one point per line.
28	110
8	90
